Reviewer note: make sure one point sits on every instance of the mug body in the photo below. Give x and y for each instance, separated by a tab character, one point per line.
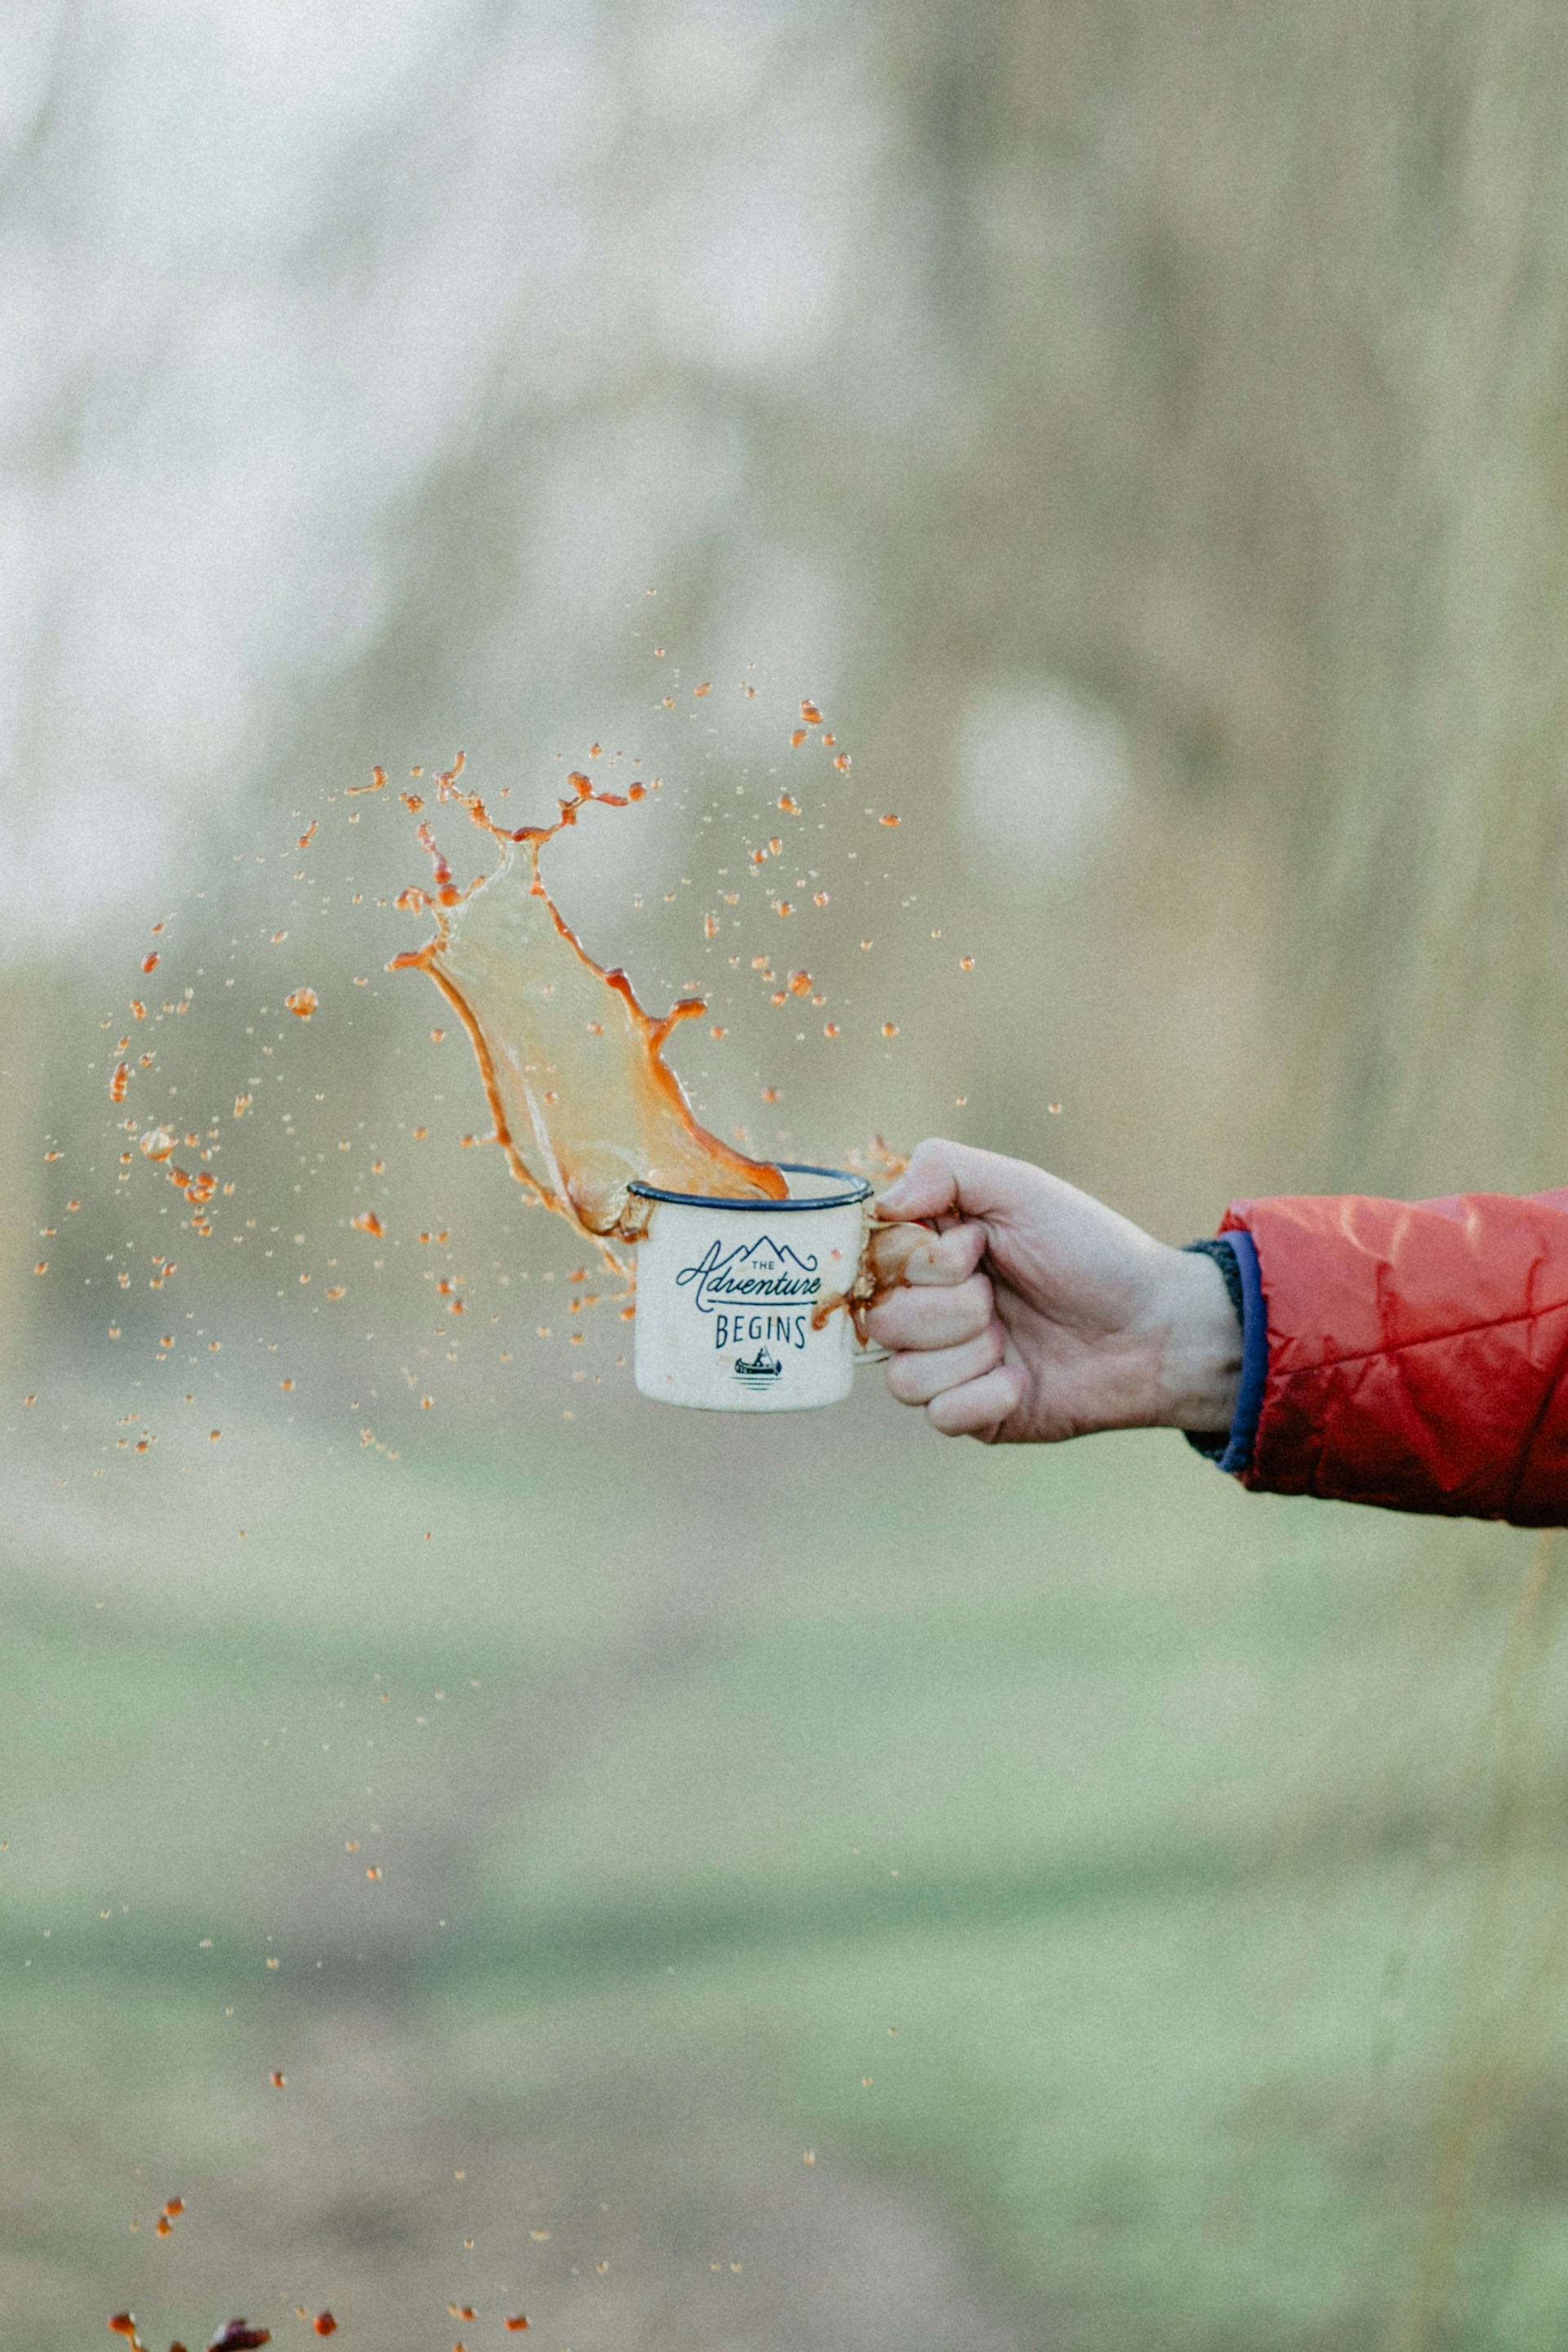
728	1291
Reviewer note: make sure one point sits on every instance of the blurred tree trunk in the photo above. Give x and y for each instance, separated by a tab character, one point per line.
1432	271
1275	304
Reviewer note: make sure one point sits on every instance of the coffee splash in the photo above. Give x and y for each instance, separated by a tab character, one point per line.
582	1098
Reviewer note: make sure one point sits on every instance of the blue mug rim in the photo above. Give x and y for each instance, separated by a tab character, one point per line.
857	1189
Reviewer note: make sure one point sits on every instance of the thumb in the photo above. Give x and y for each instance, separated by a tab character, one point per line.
945	1179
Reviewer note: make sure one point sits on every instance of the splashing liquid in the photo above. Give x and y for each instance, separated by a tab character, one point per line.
582	1098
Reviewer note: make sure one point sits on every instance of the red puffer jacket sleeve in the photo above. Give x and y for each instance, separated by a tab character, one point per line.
1417	1353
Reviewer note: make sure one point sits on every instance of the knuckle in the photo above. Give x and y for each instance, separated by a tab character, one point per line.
954	1256
978	1302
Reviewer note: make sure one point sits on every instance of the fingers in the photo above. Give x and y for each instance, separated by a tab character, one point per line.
932	1316
944	1177
923	1373
980	1407
914	1253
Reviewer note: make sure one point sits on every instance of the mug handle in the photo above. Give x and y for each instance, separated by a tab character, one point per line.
867	1288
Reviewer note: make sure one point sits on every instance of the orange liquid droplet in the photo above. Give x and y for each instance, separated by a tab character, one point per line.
149	961
301	1001
797	739
810	713
157	1144
367	1222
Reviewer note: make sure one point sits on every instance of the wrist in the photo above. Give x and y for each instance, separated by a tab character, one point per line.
1197	1373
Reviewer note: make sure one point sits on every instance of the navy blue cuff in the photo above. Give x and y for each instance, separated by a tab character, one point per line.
1245	1287
1237	1454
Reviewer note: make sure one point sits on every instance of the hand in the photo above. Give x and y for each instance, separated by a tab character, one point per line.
1028	1311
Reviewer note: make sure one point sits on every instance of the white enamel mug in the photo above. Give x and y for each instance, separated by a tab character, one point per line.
727	1291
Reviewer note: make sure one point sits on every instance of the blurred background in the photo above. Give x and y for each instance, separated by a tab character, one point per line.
792	1883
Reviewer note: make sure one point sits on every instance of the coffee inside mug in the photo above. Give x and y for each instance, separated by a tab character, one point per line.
742	1306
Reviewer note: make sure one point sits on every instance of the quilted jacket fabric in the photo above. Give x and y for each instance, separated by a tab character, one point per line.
1417	1353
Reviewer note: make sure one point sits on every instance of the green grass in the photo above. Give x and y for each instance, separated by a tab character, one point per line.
1121	1796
